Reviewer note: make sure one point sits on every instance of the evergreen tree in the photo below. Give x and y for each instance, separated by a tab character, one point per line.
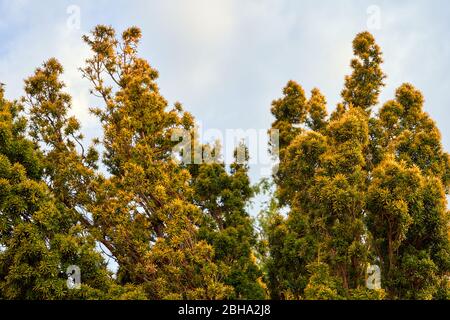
38	242
353	189
407	205
224	197
358	191
142	211
292	245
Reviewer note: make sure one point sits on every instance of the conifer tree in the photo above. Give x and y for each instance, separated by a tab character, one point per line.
407	205
142	210
292	245
38	241
353	189
224	194
357	189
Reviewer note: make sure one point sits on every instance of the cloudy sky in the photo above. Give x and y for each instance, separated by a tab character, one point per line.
226	60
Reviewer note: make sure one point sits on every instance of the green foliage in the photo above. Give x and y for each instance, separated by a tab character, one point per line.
223	197
352	189
358	189
407	205
38	239
70	210
363	86
150	227
321	285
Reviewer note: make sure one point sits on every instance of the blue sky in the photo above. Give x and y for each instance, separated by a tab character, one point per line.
226	60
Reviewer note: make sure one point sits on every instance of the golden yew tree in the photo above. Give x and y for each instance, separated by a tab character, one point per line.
142	209
68	168
407	207
360	189
224	193
39	238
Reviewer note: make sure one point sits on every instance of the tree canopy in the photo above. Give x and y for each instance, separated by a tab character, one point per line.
360	187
